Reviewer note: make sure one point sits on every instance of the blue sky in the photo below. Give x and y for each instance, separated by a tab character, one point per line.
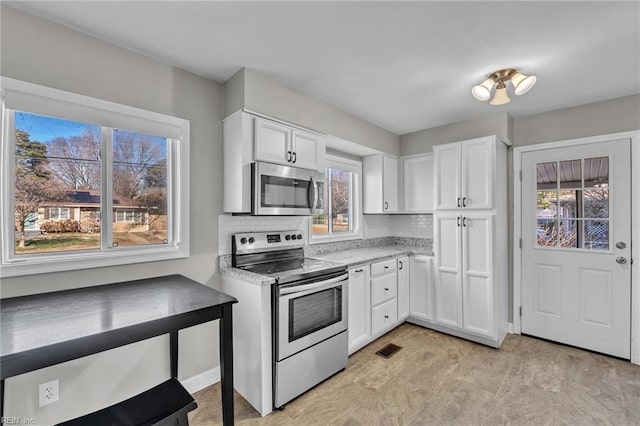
43	129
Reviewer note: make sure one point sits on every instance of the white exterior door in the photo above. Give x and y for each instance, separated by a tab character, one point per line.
448	269
477	279
576	246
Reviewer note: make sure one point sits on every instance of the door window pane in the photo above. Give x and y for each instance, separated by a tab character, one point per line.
568	233
571	174
57	184
596	234
569	204
596	203
140	189
547	233
547	175
596	172
547	203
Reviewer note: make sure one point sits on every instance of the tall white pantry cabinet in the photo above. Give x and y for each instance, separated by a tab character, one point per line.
470	240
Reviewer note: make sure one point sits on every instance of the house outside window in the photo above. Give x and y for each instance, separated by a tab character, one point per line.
65	159
342	216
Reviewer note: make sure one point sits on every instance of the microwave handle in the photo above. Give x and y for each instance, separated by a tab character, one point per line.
314	203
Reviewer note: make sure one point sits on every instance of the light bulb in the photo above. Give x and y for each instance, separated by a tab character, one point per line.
522	83
482	91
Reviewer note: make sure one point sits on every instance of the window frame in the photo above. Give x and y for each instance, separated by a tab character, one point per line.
110	116
346	164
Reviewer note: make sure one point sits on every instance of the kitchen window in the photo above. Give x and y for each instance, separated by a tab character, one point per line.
89	183
341	218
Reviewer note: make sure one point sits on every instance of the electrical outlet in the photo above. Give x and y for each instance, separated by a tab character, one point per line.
48	392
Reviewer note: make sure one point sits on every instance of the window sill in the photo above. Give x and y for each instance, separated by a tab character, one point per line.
334	238
62	263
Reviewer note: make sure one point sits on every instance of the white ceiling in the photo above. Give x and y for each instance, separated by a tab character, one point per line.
404	66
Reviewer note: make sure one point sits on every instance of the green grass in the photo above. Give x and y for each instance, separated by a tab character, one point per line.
59	242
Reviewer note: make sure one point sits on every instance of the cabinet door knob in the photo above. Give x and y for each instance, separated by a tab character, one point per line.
386	289
359	270
386	317
386	205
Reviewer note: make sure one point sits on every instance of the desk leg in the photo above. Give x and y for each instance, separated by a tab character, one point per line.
2	399
173	353
226	364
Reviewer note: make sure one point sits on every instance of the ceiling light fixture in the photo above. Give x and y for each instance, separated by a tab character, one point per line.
521	85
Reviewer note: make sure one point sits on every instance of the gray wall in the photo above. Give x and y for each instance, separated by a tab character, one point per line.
251	90
38	51
498	123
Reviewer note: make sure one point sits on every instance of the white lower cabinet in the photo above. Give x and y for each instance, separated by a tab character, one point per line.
359	308
421	287
384	317
403	287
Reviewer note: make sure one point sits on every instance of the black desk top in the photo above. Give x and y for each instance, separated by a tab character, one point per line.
45	329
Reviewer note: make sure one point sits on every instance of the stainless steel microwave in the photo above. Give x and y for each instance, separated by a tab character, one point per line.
284	190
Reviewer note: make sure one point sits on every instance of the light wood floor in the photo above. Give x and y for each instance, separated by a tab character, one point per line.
437	379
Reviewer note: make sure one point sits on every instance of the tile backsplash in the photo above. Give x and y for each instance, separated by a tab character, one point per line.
374	226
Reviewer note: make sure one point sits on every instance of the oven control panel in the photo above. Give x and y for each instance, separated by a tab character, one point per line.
255	242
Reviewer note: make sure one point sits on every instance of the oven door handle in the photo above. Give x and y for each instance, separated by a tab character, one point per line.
313	286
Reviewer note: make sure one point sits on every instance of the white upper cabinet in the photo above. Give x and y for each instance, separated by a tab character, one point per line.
380	184
418	184
308	150
465	171
272	142
477	173
447	164
281	144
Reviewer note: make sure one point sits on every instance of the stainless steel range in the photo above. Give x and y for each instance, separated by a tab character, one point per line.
309	309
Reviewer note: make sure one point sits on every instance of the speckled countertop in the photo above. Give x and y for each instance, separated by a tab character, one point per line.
246	276
361	256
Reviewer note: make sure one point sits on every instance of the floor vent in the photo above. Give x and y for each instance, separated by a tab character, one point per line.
389	350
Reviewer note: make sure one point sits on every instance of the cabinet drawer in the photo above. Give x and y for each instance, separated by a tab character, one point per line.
383	267
383	288
384	316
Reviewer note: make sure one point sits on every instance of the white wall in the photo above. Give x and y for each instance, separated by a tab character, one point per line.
38	51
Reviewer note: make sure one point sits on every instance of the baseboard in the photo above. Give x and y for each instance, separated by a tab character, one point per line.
202	380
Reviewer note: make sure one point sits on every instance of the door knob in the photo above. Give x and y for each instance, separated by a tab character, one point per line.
621	245
621	260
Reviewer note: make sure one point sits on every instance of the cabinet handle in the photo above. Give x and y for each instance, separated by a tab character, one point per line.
401	264
386	205
288	156
464	200
386	317
458	202
359	270
386	289
294	158
386	267
464	221
458	220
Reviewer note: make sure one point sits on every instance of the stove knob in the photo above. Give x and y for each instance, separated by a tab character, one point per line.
293	236
299	236
243	240
287	237
252	240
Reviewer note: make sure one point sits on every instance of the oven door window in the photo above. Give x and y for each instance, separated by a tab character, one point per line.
313	312
284	192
